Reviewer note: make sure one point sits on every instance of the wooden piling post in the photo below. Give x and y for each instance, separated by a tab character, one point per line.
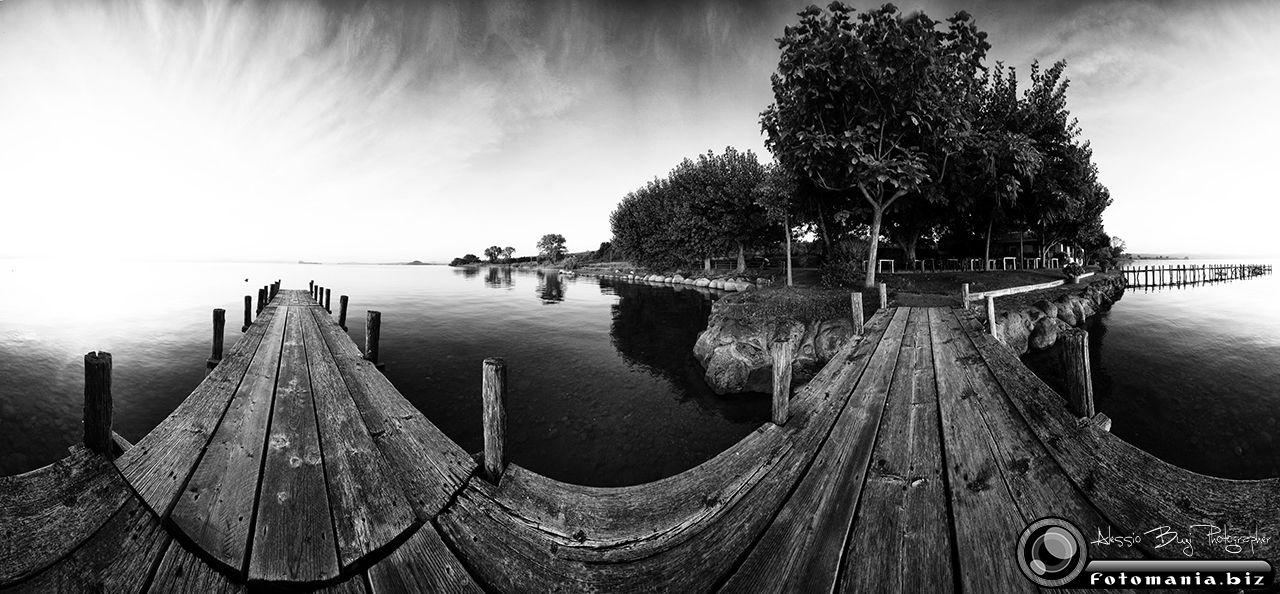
1075	363
262	301
855	301
219	324
964	295
781	351
248	317
342	312
991	315
328	302
494	393
884	295
97	403
372	332
311	286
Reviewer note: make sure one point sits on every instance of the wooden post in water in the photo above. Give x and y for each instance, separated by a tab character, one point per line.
1075	363
884	295
494	393
964	295
781	352
855	300
262	301
311	286
248	317
342	313
991	315
328	301
97	403
372	332
219	323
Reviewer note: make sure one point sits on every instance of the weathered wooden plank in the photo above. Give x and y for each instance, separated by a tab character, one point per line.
800	551
429	466
48	512
215	509
1037	481
183	573
512	552
985	514
369	509
1132	489
355	585
116	559
422	564
901	539
158	465
293	532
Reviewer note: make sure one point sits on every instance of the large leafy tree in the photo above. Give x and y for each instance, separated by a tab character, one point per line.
704	207
551	246
493	252
872	106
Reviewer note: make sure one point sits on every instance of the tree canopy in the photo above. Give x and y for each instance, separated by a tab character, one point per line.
551	246
703	208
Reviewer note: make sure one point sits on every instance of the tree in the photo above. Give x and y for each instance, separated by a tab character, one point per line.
872	106
776	194
493	252
551	246
507	252
702	208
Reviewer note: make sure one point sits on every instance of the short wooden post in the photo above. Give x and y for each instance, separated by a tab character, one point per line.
964	295
858	323
494	393
266	293
248	316
991	315
781	352
372	330
328	302
884	295
262	301
97	403
342	313
311	286
219	324
1075	363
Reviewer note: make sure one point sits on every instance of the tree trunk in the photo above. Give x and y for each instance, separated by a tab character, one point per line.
986	262
742	258
877	214
706	263
826	238
786	227
909	247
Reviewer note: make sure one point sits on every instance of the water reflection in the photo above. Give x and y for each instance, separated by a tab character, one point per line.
468	272
498	277
654	329
550	287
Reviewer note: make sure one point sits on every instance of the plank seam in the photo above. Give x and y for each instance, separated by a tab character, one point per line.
835	418
956	578
165	517
462	559
262	461
315	413
858	502
155	563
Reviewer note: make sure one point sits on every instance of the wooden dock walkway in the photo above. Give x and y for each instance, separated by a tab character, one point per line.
909	464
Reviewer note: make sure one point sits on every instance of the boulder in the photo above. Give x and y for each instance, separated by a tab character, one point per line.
677	278
702	282
1045	333
735	352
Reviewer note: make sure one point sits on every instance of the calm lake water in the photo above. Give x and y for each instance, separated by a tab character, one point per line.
604	389
1192	374
603	386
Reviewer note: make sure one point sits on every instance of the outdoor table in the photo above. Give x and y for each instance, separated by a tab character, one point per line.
1007	260
880	264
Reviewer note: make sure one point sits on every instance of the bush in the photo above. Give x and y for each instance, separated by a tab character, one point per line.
841	274
570	263
1072	269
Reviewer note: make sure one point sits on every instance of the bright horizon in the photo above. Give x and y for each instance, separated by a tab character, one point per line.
392	131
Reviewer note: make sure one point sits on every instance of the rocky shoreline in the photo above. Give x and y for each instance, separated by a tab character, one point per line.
1036	327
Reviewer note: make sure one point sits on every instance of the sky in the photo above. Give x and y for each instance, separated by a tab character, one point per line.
391	130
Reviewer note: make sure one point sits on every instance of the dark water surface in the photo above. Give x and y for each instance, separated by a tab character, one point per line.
603	386
1192	375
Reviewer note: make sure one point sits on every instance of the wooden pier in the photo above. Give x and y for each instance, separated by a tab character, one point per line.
1180	275
909	464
